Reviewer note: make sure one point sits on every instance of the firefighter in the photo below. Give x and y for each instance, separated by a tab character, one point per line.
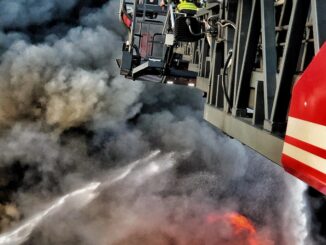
184	6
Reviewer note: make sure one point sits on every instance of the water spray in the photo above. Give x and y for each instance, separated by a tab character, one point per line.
142	169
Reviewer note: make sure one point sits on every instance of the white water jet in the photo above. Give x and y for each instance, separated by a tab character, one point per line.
81	197
21	233
124	172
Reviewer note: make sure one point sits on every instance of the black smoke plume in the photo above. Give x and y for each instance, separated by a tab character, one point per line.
67	119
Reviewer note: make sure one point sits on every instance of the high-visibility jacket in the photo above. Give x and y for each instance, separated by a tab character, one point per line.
186	5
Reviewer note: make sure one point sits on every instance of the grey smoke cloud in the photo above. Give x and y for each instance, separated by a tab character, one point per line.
106	17
67	83
23	13
7	39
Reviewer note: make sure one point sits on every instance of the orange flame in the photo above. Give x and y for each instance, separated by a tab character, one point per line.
241	226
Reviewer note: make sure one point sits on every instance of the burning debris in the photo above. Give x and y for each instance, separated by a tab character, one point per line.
241	228
230	229
67	121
